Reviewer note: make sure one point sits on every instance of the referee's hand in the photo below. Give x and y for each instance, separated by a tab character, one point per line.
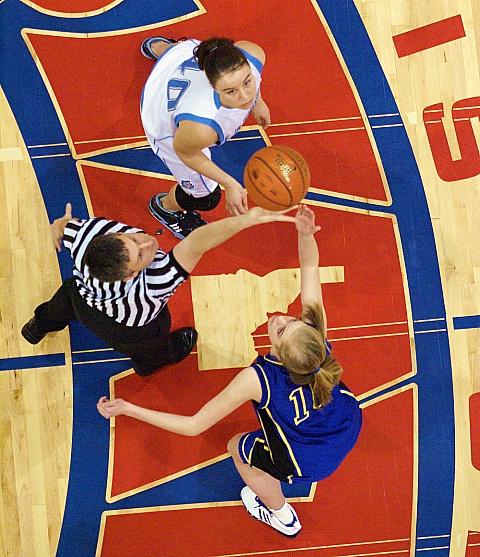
57	228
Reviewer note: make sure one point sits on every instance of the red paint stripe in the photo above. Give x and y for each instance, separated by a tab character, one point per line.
472	544
434	34
475	429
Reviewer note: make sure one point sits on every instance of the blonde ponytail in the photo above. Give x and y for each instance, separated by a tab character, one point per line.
305	356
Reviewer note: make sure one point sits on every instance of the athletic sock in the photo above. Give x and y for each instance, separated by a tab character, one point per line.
167	210
173	213
284	514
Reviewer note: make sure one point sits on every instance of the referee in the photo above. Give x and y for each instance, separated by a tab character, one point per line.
122	282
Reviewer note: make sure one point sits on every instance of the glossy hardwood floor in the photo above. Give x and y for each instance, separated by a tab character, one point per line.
35	404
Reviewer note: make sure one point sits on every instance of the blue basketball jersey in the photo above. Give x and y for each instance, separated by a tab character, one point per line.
301	442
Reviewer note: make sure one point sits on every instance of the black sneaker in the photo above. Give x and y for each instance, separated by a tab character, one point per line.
181	223
146	47
31	333
183	342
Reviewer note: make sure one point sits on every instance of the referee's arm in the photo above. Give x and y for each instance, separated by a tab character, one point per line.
190	250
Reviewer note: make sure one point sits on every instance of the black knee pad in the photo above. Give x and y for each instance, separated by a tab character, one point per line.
206	203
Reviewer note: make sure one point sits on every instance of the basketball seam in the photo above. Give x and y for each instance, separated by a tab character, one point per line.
276	176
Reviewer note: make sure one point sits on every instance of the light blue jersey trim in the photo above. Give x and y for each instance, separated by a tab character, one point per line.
202	179
255	61
207	121
156	62
173	45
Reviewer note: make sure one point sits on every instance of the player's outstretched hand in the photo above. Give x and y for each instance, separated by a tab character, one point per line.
305	221
257	215
111	408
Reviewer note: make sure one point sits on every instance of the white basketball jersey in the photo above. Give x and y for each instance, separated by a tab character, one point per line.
178	90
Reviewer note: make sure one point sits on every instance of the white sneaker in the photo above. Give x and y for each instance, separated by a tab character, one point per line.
258	510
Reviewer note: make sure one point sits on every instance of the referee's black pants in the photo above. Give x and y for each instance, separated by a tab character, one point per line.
149	346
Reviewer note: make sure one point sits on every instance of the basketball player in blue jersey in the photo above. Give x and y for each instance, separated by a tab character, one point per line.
310	420
197	96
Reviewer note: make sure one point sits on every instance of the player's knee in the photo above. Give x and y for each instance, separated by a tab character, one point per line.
206	203
232	446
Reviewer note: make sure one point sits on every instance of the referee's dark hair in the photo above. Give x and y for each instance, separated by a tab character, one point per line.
107	258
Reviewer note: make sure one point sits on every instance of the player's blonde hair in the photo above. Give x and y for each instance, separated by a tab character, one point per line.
305	356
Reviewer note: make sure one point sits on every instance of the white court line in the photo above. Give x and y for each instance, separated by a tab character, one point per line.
47	145
51	156
297	550
431	331
432	548
317	132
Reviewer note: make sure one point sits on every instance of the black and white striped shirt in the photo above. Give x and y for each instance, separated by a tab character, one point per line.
134	302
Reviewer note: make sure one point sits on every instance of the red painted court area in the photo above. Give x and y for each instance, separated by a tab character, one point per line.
475	429
428	36
68	7
368	318
367	503
473	544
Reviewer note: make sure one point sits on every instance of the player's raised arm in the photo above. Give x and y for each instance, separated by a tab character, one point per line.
311	289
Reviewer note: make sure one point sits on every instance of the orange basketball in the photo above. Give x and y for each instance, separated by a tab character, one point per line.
276	178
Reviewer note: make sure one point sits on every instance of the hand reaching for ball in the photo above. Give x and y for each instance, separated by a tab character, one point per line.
305	221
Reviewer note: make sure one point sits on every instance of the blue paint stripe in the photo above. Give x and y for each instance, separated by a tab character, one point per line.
467	322
31	362
430	325
443	551
382	392
378	120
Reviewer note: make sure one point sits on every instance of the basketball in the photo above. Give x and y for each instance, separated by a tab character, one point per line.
276	178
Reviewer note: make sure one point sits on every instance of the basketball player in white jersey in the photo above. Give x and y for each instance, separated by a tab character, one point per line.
197	96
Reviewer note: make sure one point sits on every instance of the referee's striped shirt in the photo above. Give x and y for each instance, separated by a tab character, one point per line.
134	302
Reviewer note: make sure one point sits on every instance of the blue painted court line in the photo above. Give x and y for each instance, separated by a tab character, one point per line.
467	322
30	362
430	325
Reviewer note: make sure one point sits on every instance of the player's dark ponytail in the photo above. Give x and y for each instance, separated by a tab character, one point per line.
218	56
305	356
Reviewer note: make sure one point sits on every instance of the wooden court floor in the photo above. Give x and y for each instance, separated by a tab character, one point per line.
429	55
